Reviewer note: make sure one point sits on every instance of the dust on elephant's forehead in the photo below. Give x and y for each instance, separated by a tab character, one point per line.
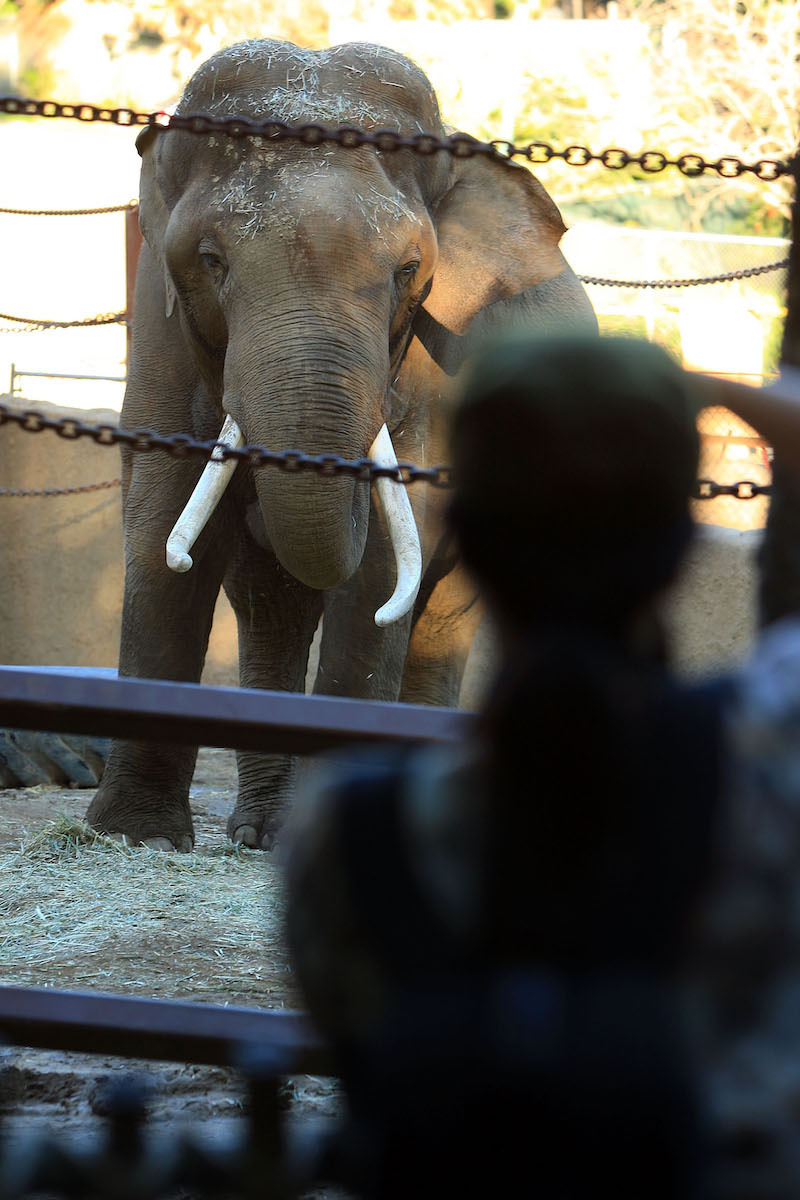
361	84
253	190
361	90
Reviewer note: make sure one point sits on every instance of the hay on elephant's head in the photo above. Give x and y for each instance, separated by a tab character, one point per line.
81	910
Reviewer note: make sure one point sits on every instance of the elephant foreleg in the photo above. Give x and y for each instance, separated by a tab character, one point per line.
357	658
276	617
166	621
441	640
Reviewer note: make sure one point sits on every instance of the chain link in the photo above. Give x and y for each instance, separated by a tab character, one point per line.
64	491
728	277
183	445
83	323
744	489
460	145
69	212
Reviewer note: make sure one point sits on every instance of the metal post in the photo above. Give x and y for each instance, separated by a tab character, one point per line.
133	244
779	588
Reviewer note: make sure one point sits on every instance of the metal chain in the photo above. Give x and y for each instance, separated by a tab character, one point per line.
21	328
460	145
745	489
182	445
69	212
85	322
728	277
64	491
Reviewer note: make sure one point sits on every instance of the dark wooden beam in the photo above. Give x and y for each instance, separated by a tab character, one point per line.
163	1030
192	714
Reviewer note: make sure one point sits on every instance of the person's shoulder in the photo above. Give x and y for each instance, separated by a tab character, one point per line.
759	825
423	778
765	696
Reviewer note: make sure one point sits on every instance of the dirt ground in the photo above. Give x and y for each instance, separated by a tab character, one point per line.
203	927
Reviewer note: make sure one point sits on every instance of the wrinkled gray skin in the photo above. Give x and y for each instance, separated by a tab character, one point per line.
288	286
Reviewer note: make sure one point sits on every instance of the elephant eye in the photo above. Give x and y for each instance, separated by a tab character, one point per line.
211	262
404	274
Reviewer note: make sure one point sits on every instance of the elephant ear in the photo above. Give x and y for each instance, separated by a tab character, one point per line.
498	233
153	211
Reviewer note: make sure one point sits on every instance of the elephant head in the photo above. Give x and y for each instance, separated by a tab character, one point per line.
323	292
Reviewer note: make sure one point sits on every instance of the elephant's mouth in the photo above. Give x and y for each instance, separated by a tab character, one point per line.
393	499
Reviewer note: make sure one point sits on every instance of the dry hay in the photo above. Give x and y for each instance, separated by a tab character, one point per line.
80	910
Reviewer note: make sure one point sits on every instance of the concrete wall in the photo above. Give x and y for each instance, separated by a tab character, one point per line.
61	557
711	611
61	572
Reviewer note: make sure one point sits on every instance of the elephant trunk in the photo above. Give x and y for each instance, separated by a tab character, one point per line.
317	526
318	395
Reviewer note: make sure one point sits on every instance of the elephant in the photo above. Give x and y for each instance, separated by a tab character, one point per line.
309	296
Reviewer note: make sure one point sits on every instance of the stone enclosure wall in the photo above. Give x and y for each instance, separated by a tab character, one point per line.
61	571
61	557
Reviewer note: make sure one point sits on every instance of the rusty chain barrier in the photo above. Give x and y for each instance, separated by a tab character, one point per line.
388	141
78	489
183	445
69	212
116	318
459	145
727	277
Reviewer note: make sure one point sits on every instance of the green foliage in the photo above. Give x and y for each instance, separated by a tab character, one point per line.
722	79
37	82
146	35
773	336
616	326
665	331
549	109
697	205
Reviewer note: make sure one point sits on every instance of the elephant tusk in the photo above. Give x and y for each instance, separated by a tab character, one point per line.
393	497
203	500
402	532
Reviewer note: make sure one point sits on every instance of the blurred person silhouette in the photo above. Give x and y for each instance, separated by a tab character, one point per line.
563	957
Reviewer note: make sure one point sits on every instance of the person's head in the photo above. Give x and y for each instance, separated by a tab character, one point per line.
574	460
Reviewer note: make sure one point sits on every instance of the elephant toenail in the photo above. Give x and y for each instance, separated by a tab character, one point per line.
246	835
158	843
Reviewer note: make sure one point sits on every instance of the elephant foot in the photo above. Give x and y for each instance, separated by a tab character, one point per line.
151	824
155	843
258	829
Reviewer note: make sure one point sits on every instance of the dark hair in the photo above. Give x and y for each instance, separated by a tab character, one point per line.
574	459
